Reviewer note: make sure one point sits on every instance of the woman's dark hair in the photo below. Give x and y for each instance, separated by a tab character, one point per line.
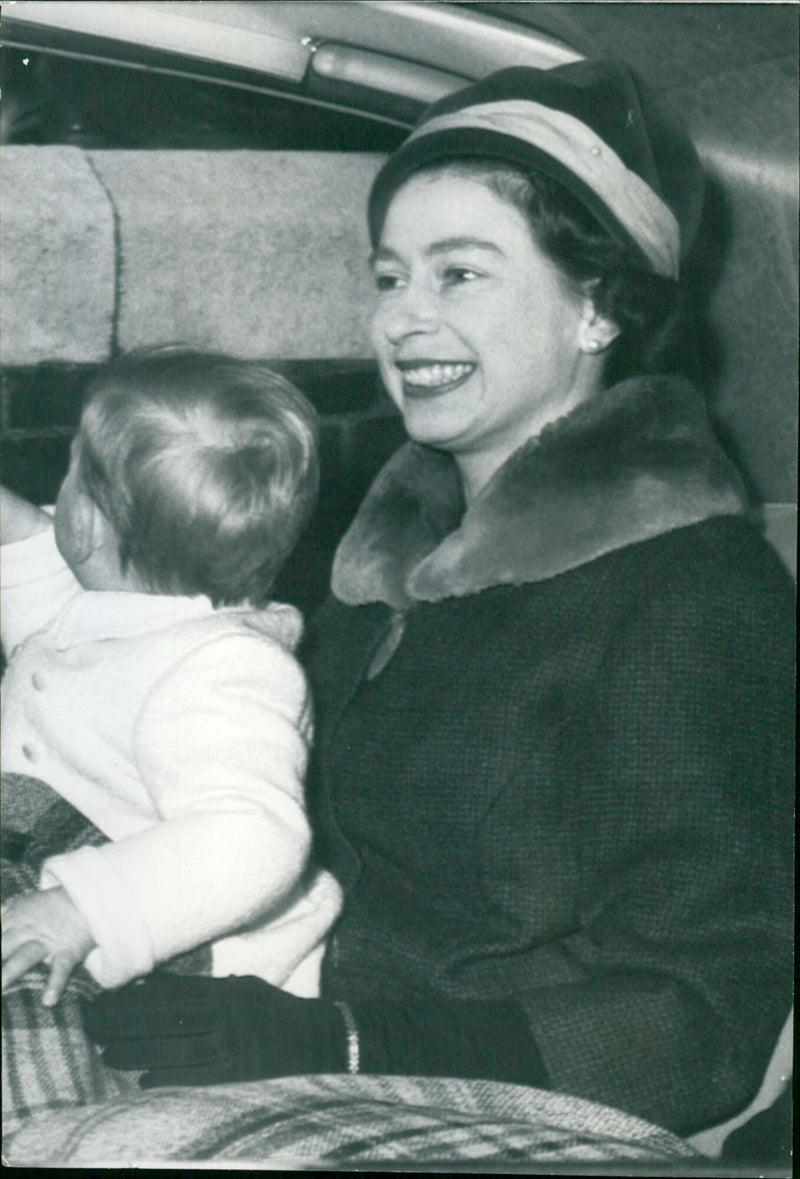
647	308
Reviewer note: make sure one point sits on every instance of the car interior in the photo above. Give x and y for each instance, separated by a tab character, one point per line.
199	174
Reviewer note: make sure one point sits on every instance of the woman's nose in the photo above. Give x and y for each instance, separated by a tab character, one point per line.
411	310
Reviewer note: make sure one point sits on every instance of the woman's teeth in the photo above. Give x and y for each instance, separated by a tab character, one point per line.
431	375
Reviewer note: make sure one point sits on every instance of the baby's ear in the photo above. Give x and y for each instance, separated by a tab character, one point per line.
90	527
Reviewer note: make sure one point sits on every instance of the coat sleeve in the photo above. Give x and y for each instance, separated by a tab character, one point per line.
669	996
222	746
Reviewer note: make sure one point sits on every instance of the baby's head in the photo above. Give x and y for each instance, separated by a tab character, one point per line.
204	470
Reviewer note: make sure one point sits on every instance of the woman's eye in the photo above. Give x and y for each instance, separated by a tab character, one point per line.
455	275
387	282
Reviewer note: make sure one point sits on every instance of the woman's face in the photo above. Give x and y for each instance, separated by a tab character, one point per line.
477	336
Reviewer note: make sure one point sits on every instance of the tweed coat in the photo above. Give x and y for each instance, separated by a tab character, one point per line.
554	762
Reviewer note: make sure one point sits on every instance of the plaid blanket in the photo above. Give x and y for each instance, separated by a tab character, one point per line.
344	1123
48	1063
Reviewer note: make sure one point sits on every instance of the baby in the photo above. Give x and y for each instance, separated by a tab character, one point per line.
152	683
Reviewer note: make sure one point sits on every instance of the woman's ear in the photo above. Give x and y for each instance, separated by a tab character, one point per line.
596	331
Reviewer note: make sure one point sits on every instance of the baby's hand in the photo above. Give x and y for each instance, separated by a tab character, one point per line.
44	927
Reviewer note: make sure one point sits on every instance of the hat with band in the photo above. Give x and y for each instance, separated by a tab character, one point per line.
592	126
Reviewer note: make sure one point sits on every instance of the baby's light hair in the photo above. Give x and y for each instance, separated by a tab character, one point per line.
205	466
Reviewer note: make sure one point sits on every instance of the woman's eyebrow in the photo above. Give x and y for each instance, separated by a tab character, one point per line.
461	243
385	254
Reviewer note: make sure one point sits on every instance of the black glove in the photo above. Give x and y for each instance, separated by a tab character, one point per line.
190	1030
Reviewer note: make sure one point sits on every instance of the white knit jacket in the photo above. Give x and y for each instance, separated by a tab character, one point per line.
182	732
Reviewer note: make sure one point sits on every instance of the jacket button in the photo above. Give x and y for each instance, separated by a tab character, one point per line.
38	681
30	753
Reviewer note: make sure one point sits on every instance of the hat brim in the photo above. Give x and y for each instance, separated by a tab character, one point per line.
462	143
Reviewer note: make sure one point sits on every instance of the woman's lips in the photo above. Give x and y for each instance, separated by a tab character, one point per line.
426	380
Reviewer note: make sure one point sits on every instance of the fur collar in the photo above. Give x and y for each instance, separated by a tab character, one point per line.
638	460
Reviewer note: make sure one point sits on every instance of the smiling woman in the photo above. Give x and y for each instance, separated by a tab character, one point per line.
554	677
480	339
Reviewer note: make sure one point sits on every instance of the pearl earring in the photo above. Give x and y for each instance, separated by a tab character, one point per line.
594	345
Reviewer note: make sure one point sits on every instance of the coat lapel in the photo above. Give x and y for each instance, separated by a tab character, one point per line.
638	460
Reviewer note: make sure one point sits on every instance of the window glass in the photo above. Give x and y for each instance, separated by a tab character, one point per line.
54	99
